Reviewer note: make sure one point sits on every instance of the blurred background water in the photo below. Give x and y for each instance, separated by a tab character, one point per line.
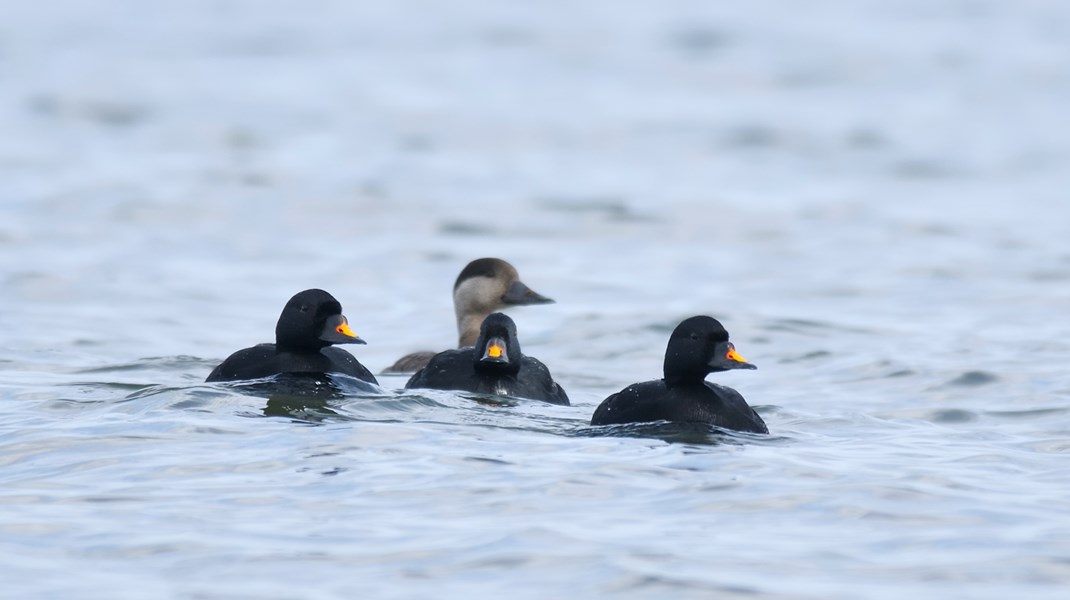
871	196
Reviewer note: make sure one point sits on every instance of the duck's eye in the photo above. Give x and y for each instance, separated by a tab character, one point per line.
304	308
694	336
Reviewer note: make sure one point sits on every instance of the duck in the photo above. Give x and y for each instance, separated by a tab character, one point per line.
309	326
484	286
697	347
494	364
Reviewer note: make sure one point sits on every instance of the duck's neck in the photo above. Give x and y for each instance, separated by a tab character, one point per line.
678	380
468	328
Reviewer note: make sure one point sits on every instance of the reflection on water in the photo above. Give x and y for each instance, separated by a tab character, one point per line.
301	408
683	433
306	397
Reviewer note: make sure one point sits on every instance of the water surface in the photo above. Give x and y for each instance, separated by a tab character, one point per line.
872	198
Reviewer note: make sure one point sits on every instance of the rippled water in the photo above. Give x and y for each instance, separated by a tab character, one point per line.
871	196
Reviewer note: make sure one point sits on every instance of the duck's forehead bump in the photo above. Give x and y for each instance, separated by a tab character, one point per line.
331	307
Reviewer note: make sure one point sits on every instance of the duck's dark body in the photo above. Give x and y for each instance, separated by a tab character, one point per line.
495	365
264	360
705	403
453	370
309	324
697	347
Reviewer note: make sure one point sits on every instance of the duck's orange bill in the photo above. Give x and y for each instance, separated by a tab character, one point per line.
494	350
733	355
345	330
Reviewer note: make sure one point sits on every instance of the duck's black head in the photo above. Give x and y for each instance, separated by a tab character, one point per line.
311	320
498	349
697	347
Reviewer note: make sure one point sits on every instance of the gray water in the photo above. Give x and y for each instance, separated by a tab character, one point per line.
872	197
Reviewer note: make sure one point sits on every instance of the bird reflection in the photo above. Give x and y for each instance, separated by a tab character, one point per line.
304	396
303	408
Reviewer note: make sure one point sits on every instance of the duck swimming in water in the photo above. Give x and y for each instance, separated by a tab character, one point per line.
494	365
697	347
309	324
484	286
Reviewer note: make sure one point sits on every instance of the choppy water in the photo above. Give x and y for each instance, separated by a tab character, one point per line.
871	196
